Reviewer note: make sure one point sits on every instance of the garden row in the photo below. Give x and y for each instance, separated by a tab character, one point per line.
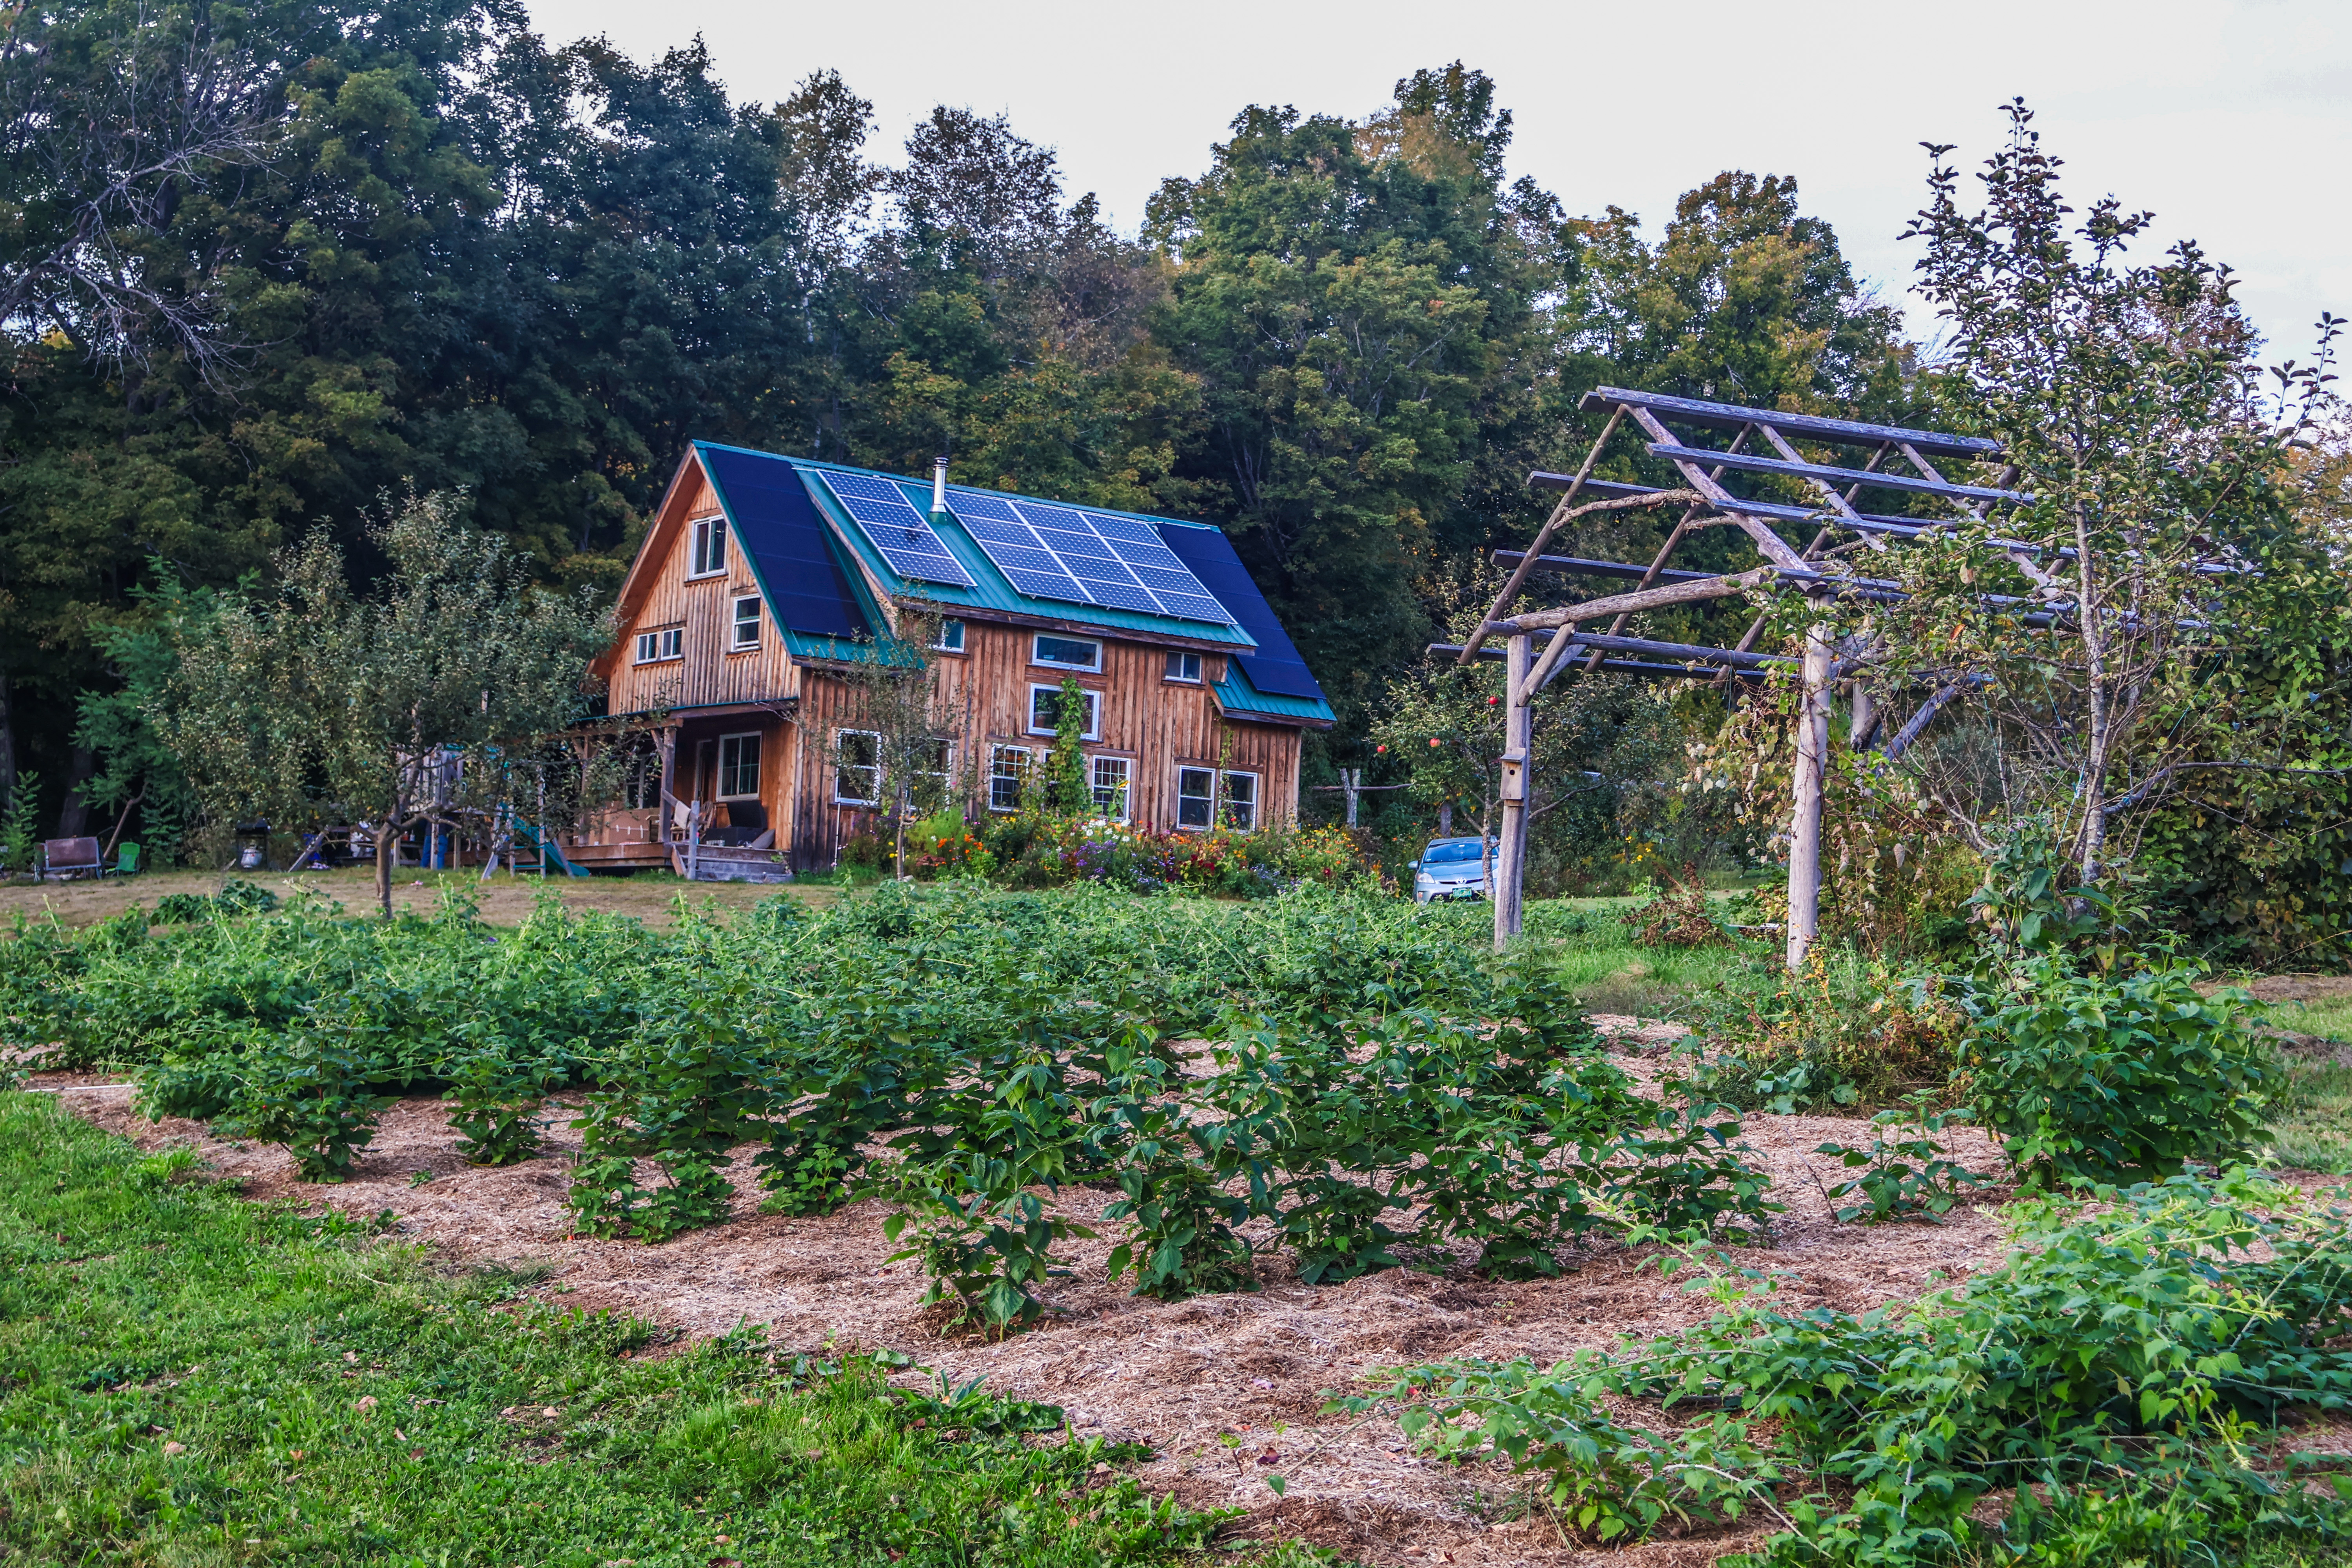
1346	1079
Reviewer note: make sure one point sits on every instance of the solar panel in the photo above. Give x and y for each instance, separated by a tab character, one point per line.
900	532
1274	668
1015	547
1078	557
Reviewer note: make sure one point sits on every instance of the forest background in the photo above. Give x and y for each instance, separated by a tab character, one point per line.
456	256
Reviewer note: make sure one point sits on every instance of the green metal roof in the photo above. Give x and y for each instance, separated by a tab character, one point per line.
1237	695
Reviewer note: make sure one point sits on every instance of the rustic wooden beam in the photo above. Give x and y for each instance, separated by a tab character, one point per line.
1774	548
1576	566
1675	452
1617	666
1655	598
1622	605
1848	432
1559	514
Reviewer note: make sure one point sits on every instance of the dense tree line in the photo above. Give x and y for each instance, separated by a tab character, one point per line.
418	247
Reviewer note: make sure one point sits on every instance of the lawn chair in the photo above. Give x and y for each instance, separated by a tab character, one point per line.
126	861
63	857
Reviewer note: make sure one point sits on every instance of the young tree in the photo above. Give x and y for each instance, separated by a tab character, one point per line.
316	705
903	721
2167	534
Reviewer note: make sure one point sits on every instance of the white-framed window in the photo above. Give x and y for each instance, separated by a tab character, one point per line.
1066	653
739	767
949	636
1108	776
1240	802
663	642
1197	799
1046	705
1008	770
705	547
857	768
1196	796
1184	667
747	624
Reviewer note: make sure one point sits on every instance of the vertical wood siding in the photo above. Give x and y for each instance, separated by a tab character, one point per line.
707	674
1159	725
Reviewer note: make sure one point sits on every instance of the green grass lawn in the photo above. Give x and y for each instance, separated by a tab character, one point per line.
189	1379
2310	1126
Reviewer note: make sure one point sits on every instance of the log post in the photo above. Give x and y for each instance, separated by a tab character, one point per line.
1805	823
1511	854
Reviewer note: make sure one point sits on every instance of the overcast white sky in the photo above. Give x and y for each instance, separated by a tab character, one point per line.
2231	120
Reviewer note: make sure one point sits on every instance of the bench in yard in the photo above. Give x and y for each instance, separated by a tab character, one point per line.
63	857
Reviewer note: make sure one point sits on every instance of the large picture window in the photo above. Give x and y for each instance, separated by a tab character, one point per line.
857	768
706	551
739	767
1008	769
1045	707
1108	777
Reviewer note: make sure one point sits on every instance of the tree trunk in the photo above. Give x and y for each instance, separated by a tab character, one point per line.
386	839
1507	870
74	815
1805	817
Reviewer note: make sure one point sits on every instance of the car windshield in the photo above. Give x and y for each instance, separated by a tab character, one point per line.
1452	852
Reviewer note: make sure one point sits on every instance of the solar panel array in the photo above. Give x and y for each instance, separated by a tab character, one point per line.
900	532
1059	553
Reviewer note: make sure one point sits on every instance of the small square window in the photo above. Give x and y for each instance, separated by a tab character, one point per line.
1108	776
1184	667
1008	770
1196	796
857	768
739	767
950	637
707	547
1067	653
747	623
1046	705
666	642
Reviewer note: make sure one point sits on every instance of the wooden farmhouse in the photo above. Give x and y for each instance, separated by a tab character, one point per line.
764	580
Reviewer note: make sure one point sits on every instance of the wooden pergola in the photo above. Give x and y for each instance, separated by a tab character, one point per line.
1818	550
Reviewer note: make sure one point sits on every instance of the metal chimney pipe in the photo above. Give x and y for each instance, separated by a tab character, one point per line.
940	484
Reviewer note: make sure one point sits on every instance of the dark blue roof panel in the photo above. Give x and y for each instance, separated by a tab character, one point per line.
1274	668
779	528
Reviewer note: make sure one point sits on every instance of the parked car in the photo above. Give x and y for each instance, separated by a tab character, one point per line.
1452	869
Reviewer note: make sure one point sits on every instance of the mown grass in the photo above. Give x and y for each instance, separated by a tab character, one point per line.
2329	1017
2311	1125
1612	971
186	1378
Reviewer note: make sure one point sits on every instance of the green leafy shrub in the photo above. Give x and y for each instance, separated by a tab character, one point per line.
1904	1172
2126	1346
236	898
312	1093
500	1098
2093	1076
679	1097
